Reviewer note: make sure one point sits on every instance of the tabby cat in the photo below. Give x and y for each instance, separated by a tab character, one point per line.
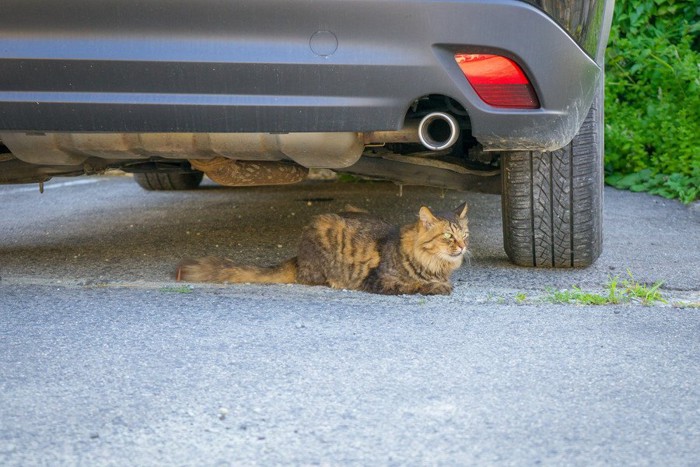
353	250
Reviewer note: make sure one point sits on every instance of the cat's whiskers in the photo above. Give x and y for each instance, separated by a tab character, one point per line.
468	257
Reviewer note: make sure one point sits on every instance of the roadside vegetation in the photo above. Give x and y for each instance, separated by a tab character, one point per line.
616	291
652	98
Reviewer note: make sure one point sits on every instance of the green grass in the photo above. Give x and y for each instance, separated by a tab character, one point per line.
616	292
636	291
579	297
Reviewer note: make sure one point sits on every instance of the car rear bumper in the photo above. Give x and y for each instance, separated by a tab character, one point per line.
278	66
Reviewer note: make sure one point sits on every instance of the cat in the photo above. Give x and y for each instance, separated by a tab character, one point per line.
356	251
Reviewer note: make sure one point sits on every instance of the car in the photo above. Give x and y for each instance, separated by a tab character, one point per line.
258	92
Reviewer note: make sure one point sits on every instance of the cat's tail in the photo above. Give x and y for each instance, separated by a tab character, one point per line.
222	270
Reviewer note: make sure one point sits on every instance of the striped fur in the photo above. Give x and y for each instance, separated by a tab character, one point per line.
354	250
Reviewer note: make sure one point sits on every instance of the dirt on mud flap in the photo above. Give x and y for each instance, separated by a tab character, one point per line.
229	172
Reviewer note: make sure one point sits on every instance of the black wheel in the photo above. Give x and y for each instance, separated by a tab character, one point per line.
553	201
159	181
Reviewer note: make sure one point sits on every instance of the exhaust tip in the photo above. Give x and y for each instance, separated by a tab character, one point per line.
438	131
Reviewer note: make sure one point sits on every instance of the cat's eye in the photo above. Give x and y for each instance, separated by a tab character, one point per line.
448	236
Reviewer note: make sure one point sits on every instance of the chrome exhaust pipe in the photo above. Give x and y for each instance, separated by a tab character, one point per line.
438	131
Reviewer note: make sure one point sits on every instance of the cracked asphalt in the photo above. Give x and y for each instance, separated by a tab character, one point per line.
106	360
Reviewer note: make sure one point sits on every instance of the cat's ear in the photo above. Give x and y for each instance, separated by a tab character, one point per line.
461	211
426	217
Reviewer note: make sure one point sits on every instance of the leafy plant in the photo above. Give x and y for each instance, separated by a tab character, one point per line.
685	188
576	295
652	98
644	293
617	292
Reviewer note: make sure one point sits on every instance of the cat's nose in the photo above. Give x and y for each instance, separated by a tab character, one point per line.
463	246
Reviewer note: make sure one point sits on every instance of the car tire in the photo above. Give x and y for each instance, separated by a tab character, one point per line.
553	201
166	181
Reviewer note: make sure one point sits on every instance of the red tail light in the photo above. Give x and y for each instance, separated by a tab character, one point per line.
498	81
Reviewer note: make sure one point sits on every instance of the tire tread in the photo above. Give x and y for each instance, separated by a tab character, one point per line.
168	181
552	201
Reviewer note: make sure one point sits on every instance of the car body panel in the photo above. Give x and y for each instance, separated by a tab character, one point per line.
280	66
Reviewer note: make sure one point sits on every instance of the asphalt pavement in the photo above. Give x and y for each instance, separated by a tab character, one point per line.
106	360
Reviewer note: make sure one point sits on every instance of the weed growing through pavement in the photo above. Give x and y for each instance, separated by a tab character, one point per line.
578	296
647	295
616	291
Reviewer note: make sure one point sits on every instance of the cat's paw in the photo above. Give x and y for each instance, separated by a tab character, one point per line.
437	288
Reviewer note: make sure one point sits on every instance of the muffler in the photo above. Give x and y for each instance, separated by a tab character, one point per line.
438	131
334	150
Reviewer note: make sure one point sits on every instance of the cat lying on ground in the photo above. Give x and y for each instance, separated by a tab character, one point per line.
354	250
